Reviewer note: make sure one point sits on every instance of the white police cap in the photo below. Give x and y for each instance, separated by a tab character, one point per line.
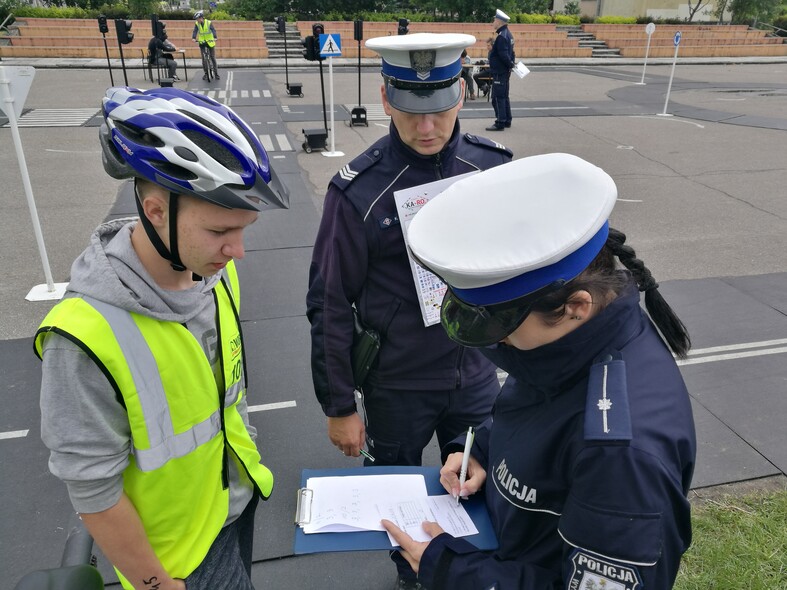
499	14
509	231
422	71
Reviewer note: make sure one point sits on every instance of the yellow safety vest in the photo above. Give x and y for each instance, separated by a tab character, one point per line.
181	434
204	34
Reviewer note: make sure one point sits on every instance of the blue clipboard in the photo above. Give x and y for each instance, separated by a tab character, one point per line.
378	540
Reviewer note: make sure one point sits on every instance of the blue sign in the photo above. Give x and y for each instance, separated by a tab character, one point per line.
676	40
331	45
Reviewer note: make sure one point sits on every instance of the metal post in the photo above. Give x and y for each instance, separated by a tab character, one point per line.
672	73
122	61
359	72
109	64
11	114
333	153
322	88
286	69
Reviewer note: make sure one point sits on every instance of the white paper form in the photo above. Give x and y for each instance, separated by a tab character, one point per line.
409	515
430	288
350	503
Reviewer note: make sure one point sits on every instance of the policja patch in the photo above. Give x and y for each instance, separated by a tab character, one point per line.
591	572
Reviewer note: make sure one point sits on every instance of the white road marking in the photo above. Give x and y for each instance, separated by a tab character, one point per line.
734	351
273	406
14	434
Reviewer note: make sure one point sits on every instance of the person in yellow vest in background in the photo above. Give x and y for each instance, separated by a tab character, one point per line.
205	34
143	392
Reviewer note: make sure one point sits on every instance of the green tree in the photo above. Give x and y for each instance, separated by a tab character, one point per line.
142	8
744	11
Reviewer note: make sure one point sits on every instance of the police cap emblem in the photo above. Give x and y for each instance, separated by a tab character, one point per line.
423	61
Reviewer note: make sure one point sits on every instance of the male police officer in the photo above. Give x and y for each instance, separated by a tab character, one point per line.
423	383
501	62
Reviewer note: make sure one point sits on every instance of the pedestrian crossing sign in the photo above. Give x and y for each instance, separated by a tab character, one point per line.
331	45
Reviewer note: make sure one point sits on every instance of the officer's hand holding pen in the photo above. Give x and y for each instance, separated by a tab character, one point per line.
449	475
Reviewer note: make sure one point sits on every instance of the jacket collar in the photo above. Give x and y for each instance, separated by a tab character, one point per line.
556	366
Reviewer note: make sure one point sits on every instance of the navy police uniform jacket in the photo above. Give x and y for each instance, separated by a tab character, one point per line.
589	454
501	57
360	257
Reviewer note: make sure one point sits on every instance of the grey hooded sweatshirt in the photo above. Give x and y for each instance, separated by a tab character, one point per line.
82	423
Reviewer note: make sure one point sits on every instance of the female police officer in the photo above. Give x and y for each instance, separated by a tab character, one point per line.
588	457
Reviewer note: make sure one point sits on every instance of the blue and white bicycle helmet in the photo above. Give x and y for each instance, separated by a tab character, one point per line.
198	14
188	144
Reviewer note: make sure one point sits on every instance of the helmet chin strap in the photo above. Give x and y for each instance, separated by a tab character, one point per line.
172	255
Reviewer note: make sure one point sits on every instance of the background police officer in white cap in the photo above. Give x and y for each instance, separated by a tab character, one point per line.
589	454
423	382
501	62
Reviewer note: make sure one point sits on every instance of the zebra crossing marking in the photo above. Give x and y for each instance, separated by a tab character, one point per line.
270	145
283	142
55	117
224	95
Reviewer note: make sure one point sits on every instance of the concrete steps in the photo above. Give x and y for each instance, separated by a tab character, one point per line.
588	40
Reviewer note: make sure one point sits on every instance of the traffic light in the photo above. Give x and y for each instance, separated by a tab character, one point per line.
317	30
123	28
102	24
403	24
309	46
281	24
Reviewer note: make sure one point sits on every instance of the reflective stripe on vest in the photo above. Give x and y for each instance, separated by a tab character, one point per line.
204	34
164	443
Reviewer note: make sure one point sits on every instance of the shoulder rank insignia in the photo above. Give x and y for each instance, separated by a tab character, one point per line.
487	143
607	416
351	171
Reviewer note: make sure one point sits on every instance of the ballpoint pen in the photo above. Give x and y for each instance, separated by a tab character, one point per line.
465	460
367	455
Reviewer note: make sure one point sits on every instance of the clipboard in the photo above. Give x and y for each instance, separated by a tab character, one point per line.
378	540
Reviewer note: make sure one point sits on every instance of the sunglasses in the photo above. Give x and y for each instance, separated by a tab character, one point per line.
483	325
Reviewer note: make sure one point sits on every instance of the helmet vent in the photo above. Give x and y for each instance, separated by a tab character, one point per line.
216	150
253	143
173	170
203	122
137	135
186	153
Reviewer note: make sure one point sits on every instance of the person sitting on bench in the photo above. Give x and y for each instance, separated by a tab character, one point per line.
484	77
160	54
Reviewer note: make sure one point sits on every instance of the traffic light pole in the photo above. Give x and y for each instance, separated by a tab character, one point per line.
322	88
122	62
109	64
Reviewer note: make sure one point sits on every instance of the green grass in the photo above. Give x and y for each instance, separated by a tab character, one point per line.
738	543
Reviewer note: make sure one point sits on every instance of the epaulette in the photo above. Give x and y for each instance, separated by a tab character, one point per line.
358	166
488	143
607	416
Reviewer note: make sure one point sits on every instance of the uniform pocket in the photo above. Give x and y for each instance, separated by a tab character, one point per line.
626	536
385	452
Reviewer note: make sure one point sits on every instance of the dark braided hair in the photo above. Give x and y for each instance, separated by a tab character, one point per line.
602	277
661	313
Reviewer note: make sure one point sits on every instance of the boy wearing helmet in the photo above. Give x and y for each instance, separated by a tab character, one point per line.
143	390
204	33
